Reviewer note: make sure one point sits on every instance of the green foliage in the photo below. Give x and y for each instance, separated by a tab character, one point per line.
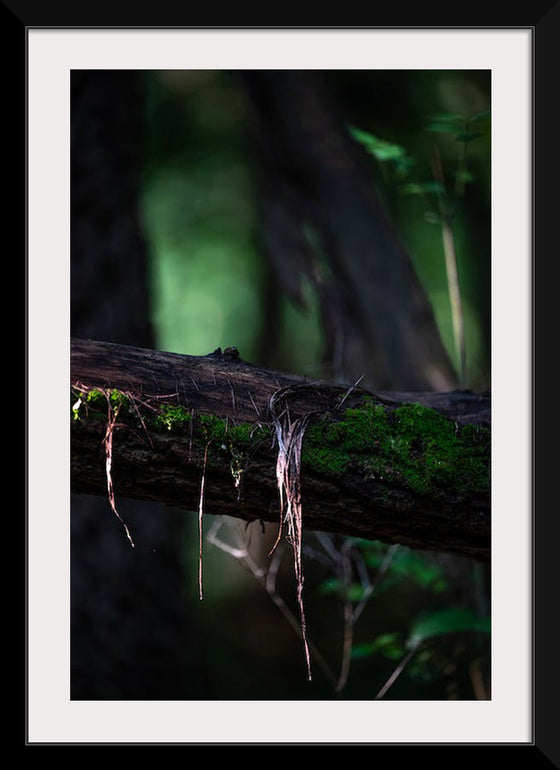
406	565
425	641
390	645
96	402
440	198
422	188
384	151
458	126
451	620
434	633
448	122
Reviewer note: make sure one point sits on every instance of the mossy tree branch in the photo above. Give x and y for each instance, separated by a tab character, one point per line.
406	468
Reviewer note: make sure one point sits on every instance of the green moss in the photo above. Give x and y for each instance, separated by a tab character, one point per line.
329	446
94	403
210	428
246	434
96	400
410	445
439	454
240	435
172	418
119	401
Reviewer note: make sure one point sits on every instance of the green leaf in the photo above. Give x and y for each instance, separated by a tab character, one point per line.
447	117
448	621
373	552
479	116
363	650
403	165
353	592
448	128
439	586
467	137
390	645
359	135
384	151
415	188
381	149
464	176
432	218
411	189
414	566
446	122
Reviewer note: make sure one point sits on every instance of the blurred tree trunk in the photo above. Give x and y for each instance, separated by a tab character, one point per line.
130	629
108	276
322	221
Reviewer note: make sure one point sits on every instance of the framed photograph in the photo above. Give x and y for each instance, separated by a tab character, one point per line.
206	129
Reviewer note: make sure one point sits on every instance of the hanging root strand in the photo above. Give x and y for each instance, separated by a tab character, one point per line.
289	435
108	441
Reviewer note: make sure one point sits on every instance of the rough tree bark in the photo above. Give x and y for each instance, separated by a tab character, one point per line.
397	467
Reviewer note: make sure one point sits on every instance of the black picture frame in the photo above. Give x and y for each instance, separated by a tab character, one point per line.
18	16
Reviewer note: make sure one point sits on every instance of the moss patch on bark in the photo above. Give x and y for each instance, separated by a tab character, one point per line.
410	444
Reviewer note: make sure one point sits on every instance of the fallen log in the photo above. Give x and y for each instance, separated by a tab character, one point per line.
403	468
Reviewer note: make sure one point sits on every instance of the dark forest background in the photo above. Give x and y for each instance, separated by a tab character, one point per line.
300	216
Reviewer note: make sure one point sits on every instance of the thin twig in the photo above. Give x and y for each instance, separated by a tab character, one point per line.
348	619
267	579
396	673
353	387
455	297
452	279
372	586
328	547
133	400
200	514
253	402
477	681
